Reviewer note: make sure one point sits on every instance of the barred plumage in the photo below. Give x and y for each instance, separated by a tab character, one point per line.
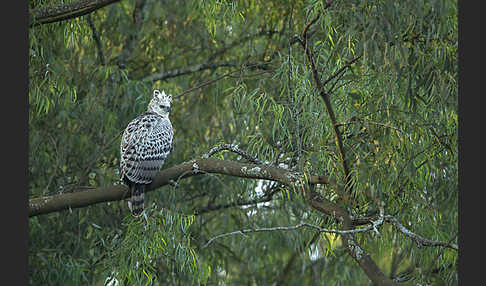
145	145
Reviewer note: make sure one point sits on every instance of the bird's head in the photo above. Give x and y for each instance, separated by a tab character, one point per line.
160	103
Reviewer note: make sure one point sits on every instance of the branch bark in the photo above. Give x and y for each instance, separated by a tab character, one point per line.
371	269
50	14
85	198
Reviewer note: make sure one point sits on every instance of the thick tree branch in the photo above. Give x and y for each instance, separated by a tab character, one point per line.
85	198
44	15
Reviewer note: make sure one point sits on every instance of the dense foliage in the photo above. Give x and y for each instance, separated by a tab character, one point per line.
239	74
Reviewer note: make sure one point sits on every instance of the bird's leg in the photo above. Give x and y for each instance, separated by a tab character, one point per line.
146	219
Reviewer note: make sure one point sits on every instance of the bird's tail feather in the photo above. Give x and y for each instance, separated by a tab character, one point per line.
137	201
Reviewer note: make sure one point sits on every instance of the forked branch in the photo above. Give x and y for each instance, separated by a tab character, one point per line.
323	94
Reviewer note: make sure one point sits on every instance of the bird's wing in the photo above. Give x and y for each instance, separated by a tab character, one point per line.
146	143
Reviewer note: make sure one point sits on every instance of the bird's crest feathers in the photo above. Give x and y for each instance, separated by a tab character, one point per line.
162	96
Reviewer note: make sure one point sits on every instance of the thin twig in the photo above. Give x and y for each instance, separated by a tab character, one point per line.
263	199
235	149
203	84
441	251
308	25
359	120
341	70
283	228
227	74
420	241
306	28
373	226
241	40
187	70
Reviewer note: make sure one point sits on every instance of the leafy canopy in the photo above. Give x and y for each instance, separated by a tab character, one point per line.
395	107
